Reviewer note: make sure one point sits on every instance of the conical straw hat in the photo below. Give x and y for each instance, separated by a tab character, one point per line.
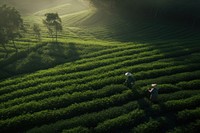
128	74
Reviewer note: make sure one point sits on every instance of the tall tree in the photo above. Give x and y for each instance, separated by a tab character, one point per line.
53	24
3	40
11	25
36	29
3	36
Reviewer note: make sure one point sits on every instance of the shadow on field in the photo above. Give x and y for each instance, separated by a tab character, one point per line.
172	39
73	54
62	52
150	31
50	55
153	31
40	57
141	30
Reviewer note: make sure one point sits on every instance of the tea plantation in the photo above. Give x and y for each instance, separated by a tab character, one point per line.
77	85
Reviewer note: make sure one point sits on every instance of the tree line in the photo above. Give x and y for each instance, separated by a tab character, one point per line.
184	10
13	27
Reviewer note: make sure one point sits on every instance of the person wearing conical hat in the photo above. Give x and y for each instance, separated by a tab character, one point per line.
153	93
129	82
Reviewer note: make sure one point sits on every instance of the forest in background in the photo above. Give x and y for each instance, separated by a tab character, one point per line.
185	11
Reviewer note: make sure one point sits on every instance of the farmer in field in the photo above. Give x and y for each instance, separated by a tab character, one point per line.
153	93
129	82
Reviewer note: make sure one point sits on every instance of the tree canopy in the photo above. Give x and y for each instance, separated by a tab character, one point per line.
36	31
53	24
10	25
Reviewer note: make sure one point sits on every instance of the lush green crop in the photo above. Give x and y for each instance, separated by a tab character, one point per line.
77	130
89	119
150	126
82	90
59	101
188	115
127	120
68	112
181	104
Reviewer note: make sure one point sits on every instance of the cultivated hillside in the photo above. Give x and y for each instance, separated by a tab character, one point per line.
77	85
29	7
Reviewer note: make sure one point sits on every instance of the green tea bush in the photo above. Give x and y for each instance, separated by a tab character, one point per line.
167	88
171	79
89	64
87	120
190	85
141	55
188	115
178	95
176	105
192	127
151	126
126	120
77	130
166	71
59	102
47	116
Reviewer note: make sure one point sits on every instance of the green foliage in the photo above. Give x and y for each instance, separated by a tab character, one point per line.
193	85
53	24
46	116
188	115
37	30
181	104
191	127
10	25
181	94
77	130
59	101
89	119
82	89
127	120
168	88
151	126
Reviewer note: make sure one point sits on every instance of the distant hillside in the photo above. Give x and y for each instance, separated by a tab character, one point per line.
182	10
32	6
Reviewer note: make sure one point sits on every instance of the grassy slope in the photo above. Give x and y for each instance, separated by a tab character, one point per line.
29	7
101	49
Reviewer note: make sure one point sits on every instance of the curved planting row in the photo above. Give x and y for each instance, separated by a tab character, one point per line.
175	78
55	71
68	89
192	127
89	119
153	125
60	101
181	104
46	116
78	96
63	71
127	120
102	64
188	115
150	73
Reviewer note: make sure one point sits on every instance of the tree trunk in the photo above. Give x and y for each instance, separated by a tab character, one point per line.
56	36
15	45
5	50
52	37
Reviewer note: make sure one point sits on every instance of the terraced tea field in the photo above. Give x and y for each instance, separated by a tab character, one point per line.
79	84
